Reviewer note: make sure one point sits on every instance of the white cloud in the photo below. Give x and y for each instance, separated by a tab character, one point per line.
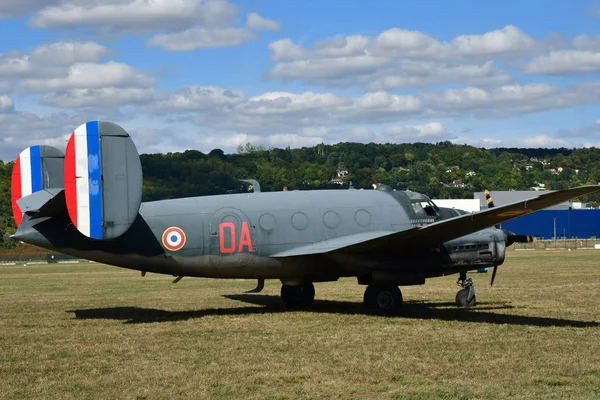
226	141
584	42
6	104
258	23
507	40
307	114
508	99
23	129
136	16
179	25
431	130
89	75
327	115
68	75
14	65
50	60
12	8
537	141
403	43
197	98
342	46
356	133
400	58
330	105
286	49
197	37
229	142
283	140
427	73
69	52
327	67
564	62
315	131
592	130
98	97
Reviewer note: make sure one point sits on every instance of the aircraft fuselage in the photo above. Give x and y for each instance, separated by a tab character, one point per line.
254	235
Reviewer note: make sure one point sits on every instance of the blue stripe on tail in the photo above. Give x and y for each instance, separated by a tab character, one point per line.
95	182
36	168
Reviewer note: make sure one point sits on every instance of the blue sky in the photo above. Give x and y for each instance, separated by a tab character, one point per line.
206	74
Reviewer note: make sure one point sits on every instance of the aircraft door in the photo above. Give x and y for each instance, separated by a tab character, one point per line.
231	236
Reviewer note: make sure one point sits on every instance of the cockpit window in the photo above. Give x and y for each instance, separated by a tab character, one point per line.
424	209
422	205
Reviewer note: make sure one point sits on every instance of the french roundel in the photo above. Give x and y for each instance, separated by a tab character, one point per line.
173	238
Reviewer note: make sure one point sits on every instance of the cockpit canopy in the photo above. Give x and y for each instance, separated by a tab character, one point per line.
417	204
422	205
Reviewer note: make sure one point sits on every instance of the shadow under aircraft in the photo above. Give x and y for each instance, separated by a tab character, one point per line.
268	304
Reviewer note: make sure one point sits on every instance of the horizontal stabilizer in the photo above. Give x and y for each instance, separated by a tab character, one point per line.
35	201
36	168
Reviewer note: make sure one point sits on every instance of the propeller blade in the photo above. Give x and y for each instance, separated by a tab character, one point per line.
488	199
493	275
513	238
490	203
522	239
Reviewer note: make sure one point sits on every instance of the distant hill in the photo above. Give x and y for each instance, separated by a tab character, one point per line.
440	170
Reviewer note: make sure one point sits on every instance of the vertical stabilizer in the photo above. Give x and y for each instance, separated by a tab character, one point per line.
35	169
103	180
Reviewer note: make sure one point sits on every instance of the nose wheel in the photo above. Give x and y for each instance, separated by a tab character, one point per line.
465	297
383	300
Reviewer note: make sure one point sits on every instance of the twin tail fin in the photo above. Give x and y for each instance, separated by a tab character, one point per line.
97	181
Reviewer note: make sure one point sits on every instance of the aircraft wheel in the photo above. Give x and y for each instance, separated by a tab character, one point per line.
298	296
383	300
462	298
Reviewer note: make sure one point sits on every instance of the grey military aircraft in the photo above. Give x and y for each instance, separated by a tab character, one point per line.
86	202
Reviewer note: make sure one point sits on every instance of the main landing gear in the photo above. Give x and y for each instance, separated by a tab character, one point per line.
300	296
465	296
383	299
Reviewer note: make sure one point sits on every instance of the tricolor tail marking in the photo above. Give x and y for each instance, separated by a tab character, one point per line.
26	178
83	185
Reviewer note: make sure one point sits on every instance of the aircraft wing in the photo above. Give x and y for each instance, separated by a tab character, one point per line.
329	245
445	230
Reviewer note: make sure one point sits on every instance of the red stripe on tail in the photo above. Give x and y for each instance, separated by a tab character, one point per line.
15	191
70	180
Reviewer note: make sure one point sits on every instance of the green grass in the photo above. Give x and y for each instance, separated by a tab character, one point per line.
73	331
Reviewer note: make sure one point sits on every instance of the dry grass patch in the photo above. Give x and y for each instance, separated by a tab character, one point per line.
91	331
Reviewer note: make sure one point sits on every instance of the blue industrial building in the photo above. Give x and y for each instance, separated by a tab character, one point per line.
576	223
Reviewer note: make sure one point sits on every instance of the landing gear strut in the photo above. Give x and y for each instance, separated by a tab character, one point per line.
298	296
383	300
465	296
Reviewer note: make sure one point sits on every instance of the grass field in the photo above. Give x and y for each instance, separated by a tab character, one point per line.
74	331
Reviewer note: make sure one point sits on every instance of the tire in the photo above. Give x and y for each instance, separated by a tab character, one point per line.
461	298
383	300
298	296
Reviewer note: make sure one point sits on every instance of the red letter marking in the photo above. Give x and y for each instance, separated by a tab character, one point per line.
222	227
245	239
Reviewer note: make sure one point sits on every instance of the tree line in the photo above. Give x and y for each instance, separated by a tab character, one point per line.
440	170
